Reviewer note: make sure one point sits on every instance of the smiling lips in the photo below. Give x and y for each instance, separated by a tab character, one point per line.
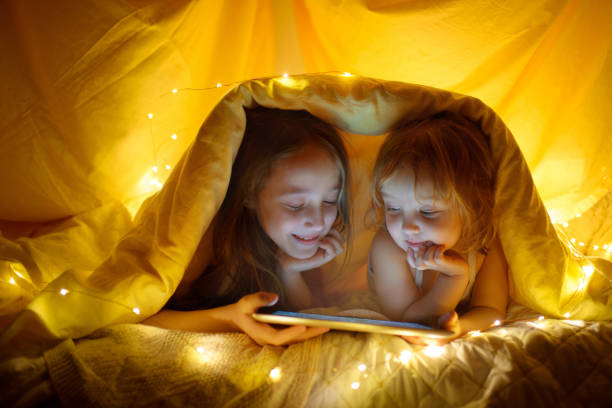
417	245
306	239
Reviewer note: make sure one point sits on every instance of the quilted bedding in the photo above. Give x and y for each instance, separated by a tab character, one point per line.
531	362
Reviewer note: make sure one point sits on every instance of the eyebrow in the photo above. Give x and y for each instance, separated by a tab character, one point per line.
299	190
388	195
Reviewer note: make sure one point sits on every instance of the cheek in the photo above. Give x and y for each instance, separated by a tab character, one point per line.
330	214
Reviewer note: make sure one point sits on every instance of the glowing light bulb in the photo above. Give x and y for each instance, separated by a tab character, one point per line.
573	240
18	274
540	317
496	323
355	385
12	281
136	310
578	215
566	315
405	356
581	243
361	367
64	292
285	75
275	374
588	270
605	246
200	349
173	137
565	224
434	351
168	167
596	247
150	115
475	333
174	90
347	74
218	84
155	168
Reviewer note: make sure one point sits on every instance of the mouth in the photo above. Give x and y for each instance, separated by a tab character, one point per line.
417	245
306	239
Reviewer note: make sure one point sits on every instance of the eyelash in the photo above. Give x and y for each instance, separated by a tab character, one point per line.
299	207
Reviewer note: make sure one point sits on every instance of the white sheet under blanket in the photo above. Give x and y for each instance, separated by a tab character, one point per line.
535	363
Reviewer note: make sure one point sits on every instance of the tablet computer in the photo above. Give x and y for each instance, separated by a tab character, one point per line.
348	323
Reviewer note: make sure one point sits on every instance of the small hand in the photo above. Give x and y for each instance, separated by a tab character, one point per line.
448	321
263	333
330	246
437	258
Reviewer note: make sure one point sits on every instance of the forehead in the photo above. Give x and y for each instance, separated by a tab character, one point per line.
309	168
403	182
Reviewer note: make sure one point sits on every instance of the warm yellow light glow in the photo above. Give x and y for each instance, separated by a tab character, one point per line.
405	356
361	367
64	292
475	333
355	385
155	168
578	215
136	310
496	323
150	116
577	323
174	90
200	349
173	136
540	317
347	74
168	167
434	351
605	246
218	84
596	247
12	281
285	75
566	314
275	374
573	240
588	270
565	224
581	243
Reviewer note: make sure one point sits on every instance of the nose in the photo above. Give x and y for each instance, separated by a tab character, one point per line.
314	217
410	226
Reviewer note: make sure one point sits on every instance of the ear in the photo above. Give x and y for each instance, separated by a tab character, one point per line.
249	202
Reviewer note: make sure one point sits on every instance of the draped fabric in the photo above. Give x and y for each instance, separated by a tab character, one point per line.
101	99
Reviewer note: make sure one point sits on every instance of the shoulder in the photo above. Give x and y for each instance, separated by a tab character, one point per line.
384	252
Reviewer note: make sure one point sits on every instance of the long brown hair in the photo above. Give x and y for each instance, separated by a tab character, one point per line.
455	153
243	251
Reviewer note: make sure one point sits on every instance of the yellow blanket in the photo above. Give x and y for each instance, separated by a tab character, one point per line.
147	265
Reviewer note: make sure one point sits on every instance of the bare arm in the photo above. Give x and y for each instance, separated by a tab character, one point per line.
490	292
235	317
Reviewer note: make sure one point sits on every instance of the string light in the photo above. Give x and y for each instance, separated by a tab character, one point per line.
218	84
12	281
361	367
150	115
155	168
64	292
566	315
405	356
275	374
355	385
175	91
433	351
497	323
168	167
200	349
285	75
136	310
173	137
540	318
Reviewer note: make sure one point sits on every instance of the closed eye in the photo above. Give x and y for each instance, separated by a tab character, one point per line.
330	202
294	207
430	213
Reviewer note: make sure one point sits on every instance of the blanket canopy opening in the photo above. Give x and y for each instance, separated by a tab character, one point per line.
145	268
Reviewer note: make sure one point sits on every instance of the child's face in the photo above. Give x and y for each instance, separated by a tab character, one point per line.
415	217
297	205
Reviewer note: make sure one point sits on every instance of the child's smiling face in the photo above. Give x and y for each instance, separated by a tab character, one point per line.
415	215
297	204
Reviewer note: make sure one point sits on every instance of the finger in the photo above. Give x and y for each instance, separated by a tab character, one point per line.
337	244
256	300
414	340
310	333
410	257
336	234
